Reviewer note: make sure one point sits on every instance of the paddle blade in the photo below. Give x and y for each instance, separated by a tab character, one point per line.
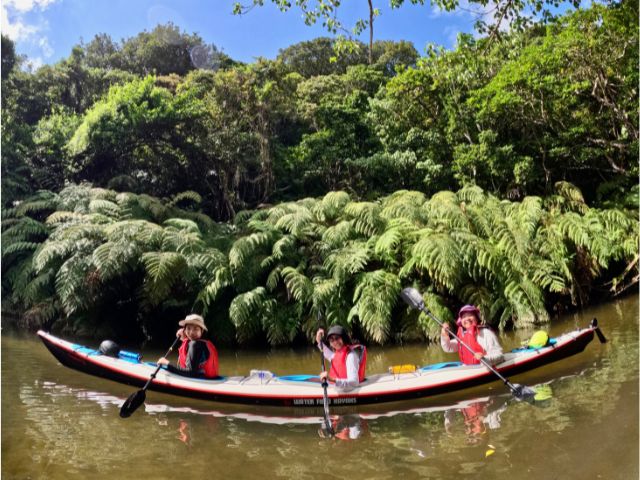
522	392
132	403
412	297
594	325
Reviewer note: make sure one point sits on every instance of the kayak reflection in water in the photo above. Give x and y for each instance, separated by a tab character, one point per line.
478	417
346	427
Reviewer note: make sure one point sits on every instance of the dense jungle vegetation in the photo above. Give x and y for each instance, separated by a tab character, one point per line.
148	178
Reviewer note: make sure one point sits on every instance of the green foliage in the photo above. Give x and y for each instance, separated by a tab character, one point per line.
502	172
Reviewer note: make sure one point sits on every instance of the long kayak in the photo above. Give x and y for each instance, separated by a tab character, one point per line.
265	388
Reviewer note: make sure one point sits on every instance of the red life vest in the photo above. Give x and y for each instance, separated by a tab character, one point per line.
208	368
339	361
470	337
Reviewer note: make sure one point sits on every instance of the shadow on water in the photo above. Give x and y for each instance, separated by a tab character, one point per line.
61	424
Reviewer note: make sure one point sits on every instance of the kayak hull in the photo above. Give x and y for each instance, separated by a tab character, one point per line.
264	388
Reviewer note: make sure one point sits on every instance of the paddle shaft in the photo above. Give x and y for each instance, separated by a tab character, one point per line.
155	372
515	390
325	396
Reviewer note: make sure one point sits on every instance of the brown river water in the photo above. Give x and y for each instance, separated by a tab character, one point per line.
58	423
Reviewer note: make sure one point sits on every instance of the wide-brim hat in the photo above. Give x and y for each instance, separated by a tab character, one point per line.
193	319
340	331
468	309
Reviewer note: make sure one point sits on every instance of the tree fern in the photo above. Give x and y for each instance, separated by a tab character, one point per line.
405	205
374	297
443	210
282	324
366	216
209	294
246	249
339	234
188	196
71	286
347	261
113	259
390	244
248	311
298	285
439	255
163	270
105	207
331	206
295	221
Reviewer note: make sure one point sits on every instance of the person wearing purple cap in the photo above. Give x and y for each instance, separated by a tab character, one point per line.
478	338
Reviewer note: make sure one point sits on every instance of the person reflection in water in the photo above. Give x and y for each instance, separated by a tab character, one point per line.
478	416
346	427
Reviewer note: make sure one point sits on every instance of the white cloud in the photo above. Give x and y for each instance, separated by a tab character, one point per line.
43	43
23	23
34	64
17	30
26	5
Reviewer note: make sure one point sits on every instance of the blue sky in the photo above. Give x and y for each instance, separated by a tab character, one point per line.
46	30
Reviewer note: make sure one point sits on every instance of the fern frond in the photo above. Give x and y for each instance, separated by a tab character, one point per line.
182	224
50	252
113	259
182	241
273	278
248	311
339	234
366	216
105	207
189	195
71	285
404	204
331	206
439	254
18	247
25	228
221	279
471	194
163	270
348	261
444	210
374	297
298	285
296	221
247	248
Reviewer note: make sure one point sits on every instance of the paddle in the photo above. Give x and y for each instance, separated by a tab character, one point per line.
136	399
594	325
325	398
414	299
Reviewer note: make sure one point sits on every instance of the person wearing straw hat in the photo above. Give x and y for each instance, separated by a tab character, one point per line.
479	338
197	357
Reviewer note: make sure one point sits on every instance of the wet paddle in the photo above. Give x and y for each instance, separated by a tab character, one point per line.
325	384
136	399
414	299
594	325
